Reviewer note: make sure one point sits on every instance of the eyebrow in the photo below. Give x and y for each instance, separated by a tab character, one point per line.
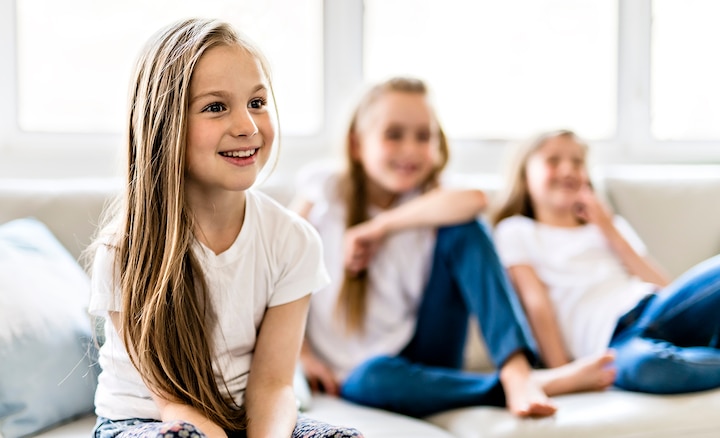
223	94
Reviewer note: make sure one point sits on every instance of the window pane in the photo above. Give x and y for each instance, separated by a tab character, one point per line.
503	69
75	57
685	97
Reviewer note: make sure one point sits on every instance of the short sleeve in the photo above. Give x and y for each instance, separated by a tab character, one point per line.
302	269
627	231
103	298
511	241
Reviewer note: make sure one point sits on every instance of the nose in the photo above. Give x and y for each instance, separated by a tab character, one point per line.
244	124
567	167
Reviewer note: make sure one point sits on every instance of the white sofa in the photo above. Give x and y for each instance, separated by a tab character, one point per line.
675	209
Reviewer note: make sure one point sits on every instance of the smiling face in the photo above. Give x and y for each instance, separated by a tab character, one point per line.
555	173
230	131
398	143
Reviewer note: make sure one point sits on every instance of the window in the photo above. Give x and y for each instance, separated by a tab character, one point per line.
685	95
637	78
503	69
75	57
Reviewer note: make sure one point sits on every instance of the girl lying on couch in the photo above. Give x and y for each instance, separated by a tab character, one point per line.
586	284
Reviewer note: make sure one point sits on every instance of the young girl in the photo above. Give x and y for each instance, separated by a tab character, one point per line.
586	284
409	264
205	282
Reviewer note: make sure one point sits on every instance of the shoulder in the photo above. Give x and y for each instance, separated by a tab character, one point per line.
277	220
514	224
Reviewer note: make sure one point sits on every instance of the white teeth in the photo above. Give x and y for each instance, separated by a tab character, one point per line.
239	154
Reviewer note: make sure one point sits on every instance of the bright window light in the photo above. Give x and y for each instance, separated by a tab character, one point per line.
685	97
75	57
503	69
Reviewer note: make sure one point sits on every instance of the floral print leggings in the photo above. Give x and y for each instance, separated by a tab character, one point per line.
139	428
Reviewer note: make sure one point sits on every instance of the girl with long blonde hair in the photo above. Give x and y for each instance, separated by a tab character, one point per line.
588	285
410	263
204	281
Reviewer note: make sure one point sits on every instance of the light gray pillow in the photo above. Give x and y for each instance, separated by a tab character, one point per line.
48	372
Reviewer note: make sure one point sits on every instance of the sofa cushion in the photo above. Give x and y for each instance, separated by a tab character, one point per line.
612	413
373	423
47	372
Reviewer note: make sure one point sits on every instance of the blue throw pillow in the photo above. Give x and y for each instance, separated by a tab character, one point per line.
48	371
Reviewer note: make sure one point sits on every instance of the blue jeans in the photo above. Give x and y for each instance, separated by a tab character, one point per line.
670	343
467	279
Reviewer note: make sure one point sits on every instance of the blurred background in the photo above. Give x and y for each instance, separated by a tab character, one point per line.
639	79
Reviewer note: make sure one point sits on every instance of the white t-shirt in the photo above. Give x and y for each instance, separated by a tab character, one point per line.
275	259
397	276
588	284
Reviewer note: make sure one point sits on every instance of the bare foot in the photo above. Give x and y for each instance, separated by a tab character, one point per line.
586	374
524	394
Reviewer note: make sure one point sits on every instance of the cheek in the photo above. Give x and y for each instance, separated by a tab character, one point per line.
536	177
266	127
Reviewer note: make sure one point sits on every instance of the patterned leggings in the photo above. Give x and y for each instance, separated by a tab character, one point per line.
139	428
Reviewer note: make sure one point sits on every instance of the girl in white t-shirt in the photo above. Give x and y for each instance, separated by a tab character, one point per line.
409	264
204	282
586	284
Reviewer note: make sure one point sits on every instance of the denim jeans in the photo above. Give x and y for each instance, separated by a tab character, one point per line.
467	279
670	343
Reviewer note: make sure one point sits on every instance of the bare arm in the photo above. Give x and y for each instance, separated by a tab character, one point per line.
636	264
592	210
541	315
435	208
270	398
172	410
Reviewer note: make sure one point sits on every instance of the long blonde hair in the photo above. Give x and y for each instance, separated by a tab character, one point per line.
167	318
352	300
515	198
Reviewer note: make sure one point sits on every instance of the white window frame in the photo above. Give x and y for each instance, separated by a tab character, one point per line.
44	155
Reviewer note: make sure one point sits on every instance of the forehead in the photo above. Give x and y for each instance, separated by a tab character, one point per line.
561	145
225	65
396	107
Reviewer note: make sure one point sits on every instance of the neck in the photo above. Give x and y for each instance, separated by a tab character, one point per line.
380	197
555	217
218	218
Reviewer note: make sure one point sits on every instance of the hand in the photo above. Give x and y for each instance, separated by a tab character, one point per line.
361	243
319	376
590	209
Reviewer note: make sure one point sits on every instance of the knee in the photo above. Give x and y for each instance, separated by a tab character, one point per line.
646	366
307	427
473	234
372	374
179	429
368	383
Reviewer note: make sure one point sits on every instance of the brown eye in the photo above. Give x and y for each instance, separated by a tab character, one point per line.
258	103
214	107
394	134
423	136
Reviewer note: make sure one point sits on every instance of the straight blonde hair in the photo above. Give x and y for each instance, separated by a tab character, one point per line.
515	198
352	300
167	319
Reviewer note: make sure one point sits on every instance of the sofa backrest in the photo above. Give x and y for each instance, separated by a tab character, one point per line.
674	208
